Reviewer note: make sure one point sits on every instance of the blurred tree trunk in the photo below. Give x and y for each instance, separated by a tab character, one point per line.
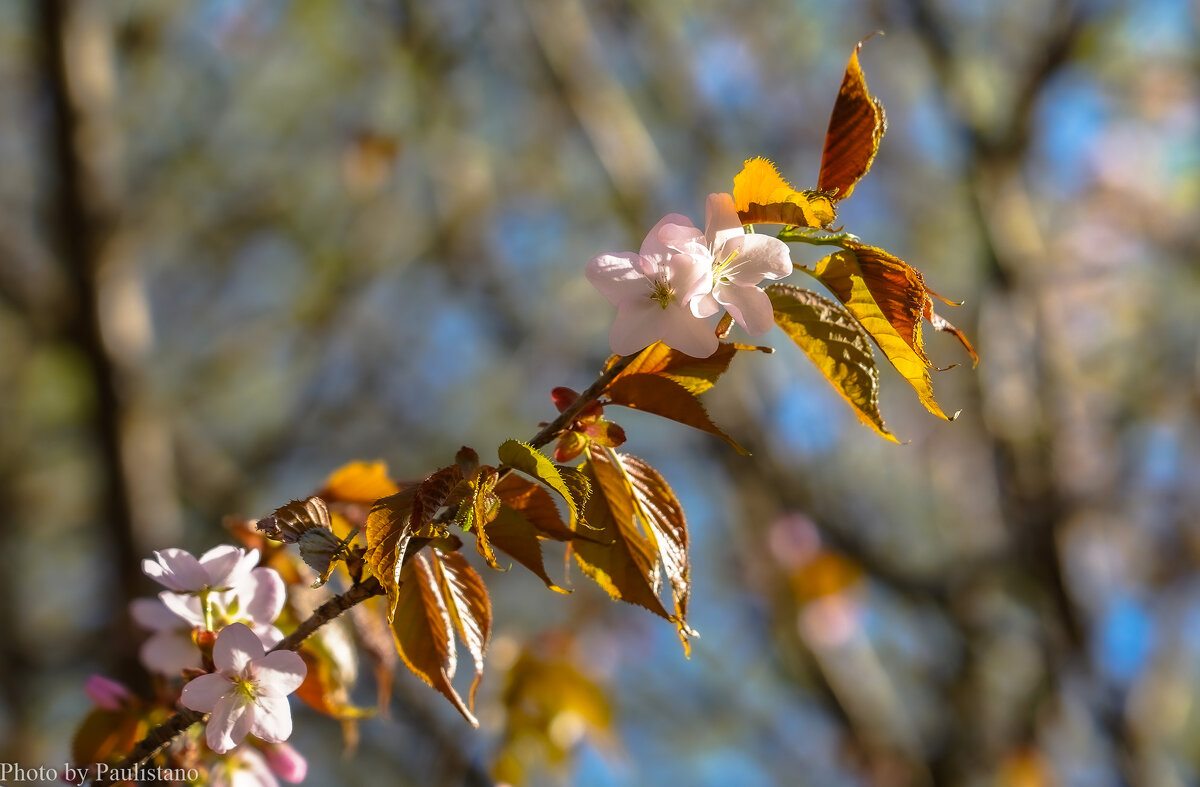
109	320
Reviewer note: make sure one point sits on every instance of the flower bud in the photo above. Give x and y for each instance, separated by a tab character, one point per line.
105	693
286	763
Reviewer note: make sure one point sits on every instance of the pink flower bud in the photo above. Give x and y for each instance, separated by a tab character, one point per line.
286	763
105	693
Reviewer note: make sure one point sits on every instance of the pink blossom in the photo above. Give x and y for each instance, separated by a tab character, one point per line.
652	288
106	693
217	569
248	692
286	763
256	600
739	263
242	767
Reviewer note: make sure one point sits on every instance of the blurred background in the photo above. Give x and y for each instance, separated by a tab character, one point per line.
245	241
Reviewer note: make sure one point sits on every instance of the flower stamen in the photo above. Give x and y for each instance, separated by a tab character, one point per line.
662	292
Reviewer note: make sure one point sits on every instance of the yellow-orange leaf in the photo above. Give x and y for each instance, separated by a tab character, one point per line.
513	534
469	607
762	196
843	275
940	323
534	503
836	343
424	631
662	396
697	375
856	127
388	533
359	482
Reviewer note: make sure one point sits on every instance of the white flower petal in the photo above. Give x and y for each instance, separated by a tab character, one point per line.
176	569
721	221
202	693
689	276
616	276
749	306
153	614
269	636
759	257
169	653
704	305
186	608
280	673
639	324
235	648
218	562
231	719
272	719
653	245
682	239
261	596
685	332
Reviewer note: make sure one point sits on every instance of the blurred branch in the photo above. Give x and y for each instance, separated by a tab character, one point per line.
110	316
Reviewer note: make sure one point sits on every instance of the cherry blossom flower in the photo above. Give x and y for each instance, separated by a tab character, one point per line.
256	601
106	693
652	288
740	261
217	569
242	767
286	763
248	692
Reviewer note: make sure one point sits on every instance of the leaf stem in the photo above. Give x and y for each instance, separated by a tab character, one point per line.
591	394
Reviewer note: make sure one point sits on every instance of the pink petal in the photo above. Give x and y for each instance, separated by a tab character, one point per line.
187	609
689	276
105	693
287	763
704	305
235	648
682	239
749	306
721	221
269	636
759	257
232	717
227	565
272	719
153	614
639	324
176	569
204	692
685	332
653	245
616	276
280	673
261	596
169	653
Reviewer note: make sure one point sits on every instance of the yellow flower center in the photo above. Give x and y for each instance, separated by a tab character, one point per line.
245	687
720	267
662	292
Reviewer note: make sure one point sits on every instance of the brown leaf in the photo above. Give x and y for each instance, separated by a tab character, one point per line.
662	396
940	323
536	505
531	462
856	128
513	534
432	494
388	534
836	343
627	565
469	607
697	375
424	632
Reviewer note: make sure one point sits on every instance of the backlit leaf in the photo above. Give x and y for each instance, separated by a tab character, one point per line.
637	510
106	736
479	508
469	606
856	127
359	482
535	504
651	393
940	323
836	343
762	196
388	534
533	463
626	566
697	375
332	667
512	533
424	632
432	494
843	275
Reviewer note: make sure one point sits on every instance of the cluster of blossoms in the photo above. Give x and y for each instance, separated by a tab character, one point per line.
681	276
214	624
